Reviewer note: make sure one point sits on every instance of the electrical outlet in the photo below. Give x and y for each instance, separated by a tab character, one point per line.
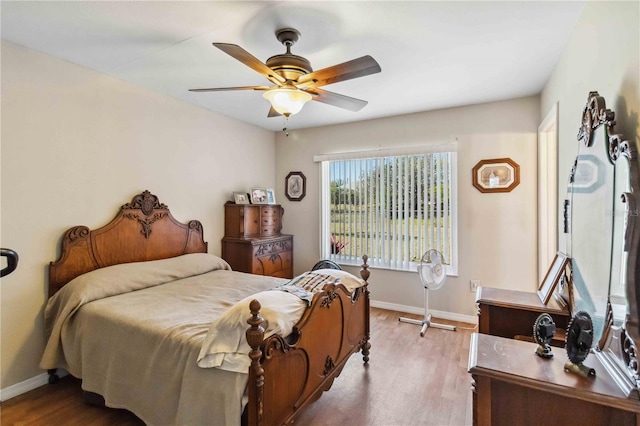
473	285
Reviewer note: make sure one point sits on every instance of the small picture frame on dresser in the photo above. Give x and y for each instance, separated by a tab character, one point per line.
241	198
555	272
271	196
258	195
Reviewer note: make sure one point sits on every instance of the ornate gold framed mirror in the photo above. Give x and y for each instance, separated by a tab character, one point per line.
604	238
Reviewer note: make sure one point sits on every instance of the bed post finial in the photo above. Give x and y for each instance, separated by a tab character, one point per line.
364	272
255	336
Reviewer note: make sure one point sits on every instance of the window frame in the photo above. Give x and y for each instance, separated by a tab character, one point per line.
325	198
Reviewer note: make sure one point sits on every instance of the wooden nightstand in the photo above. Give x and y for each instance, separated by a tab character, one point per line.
511	314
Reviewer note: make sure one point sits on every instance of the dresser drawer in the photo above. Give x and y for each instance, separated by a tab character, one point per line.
274	258
252	221
270	220
277	264
242	221
262	256
270	210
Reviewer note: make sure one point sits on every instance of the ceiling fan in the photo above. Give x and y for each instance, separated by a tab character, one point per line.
294	81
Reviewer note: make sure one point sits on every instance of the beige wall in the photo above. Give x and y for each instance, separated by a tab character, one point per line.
497	232
75	146
601	55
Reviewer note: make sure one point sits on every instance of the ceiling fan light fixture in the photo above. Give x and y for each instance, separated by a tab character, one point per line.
287	101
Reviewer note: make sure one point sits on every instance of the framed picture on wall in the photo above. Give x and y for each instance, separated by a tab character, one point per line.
496	175
295	186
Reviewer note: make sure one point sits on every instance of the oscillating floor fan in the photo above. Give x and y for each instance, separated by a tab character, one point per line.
432	274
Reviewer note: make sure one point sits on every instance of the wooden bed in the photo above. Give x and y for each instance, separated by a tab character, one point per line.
287	373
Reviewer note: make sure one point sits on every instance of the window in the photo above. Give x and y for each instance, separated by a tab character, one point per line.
392	206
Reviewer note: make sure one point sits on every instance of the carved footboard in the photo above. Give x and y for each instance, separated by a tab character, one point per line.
286	375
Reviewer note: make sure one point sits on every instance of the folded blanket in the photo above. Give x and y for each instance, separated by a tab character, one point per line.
306	285
226	347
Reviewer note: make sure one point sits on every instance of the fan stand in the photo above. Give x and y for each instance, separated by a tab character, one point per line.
426	323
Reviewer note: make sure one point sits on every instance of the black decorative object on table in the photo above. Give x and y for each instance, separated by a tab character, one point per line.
543	331
578	343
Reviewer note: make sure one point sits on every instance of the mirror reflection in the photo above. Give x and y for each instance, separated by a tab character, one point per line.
617	291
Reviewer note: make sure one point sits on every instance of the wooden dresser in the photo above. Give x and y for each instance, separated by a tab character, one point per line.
253	242
511	314
514	386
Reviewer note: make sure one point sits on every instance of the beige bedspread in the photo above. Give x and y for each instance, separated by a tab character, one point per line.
146	335
136	343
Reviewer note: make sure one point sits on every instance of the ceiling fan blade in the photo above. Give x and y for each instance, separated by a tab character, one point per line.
335	99
249	60
223	89
355	68
273	113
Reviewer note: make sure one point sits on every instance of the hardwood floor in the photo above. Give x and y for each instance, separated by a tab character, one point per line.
410	380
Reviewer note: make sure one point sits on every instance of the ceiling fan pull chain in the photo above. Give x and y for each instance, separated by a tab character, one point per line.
284	129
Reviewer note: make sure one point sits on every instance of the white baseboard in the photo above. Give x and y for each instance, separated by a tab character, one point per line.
451	316
28	385
24	387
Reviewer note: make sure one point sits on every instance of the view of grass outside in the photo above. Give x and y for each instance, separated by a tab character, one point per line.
350	226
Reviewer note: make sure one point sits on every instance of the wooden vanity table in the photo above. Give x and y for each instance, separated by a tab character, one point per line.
514	386
511	314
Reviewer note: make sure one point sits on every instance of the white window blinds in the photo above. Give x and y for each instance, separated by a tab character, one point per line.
392	208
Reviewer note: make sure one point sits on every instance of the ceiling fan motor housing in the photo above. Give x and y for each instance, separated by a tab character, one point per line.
288	65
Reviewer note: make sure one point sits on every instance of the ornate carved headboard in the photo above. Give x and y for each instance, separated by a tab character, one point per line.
143	229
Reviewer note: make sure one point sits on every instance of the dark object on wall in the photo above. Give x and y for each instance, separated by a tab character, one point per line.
12	261
326	264
295	186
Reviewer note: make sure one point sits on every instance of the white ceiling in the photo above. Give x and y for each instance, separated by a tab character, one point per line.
433	54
